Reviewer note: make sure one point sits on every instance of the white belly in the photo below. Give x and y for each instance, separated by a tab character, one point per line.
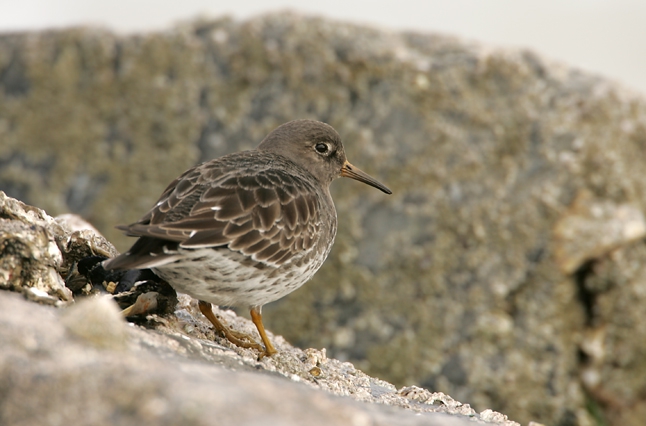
227	278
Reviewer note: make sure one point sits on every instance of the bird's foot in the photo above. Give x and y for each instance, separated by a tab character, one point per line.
257	320
240	339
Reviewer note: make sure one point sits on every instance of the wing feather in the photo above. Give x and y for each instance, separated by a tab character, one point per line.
259	210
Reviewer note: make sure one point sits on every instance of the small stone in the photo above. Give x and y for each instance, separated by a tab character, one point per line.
97	321
110	287
145	303
40	296
492	416
415	393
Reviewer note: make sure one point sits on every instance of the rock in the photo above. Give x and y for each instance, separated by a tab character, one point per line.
29	256
57	367
36	251
482	270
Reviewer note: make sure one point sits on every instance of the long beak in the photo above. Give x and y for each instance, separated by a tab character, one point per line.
348	170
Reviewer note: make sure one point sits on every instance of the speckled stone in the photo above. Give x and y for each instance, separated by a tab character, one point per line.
97	321
50	373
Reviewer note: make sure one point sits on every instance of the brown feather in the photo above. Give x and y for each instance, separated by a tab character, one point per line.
234	201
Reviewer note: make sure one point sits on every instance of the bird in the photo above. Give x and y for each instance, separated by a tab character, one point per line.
247	228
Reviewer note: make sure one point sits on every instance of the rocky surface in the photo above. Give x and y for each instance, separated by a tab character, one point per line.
82	363
506	269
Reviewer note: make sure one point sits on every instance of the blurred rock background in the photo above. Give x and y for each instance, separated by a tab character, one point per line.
508	267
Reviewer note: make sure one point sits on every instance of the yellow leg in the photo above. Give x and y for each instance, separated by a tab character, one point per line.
256	317
232	336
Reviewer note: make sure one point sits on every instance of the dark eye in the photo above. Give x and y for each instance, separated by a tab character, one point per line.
321	148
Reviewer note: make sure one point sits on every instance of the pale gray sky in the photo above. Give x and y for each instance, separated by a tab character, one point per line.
607	37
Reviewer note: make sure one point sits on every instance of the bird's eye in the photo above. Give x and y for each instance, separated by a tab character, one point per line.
321	148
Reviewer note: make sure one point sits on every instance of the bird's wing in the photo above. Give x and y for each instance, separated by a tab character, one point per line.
267	214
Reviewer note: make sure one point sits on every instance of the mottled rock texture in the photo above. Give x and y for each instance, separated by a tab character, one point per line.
478	277
83	365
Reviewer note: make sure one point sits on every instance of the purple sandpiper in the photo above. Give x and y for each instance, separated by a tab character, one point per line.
247	228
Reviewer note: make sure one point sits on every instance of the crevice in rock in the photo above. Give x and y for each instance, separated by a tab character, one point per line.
586	297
